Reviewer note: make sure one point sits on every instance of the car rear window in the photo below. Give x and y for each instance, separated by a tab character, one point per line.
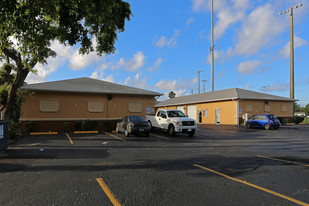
137	119
272	117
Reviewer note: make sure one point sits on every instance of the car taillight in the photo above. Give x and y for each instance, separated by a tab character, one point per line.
271	121
131	125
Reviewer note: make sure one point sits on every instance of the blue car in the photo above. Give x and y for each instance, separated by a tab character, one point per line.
266	121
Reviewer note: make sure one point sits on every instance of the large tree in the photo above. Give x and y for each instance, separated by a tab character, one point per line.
28	27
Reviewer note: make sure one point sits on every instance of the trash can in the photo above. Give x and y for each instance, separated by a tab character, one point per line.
4	130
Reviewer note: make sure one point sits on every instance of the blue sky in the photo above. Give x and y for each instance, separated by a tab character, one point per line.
167	42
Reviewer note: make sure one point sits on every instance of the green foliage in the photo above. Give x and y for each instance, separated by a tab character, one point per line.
306	109
297	119
172	95
30	127
14	130
28	27
35	23
297	107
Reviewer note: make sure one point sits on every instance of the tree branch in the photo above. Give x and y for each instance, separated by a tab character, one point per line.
10	54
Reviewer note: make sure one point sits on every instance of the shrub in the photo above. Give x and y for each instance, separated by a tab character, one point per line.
298	119
30	127
14	130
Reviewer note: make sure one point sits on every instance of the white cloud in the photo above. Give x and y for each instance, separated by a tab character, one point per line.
172	42
79	61
259	28
190	21
99	73
131	65
298	42
136	63
248	67
199	5
156	65
220	74
63	53
137	81
248	86
162	42
175	84
226	13
278	86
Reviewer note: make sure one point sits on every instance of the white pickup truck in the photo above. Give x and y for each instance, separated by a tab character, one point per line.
173	121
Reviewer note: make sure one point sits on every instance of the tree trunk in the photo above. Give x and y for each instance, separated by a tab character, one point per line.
21	75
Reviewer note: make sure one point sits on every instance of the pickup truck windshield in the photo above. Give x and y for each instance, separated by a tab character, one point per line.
175	114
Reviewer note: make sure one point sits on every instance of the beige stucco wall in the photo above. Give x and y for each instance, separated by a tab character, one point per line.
227	112
258	107
229	109
74	106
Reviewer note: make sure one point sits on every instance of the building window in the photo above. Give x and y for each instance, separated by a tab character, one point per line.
95	106
249	108
204	113
49	105
267	108
135	107
284	108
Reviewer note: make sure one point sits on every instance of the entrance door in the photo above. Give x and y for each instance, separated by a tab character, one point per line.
200	115
218	116
192	111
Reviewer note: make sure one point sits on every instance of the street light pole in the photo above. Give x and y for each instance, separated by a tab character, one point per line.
265	87
212	46
199	80
290	11
204	84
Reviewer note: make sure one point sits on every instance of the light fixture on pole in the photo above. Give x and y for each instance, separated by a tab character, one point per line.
265	87
290	11
199	80
204	84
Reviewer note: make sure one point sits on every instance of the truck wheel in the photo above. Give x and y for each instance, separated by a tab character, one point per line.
171	130
151	128
126	133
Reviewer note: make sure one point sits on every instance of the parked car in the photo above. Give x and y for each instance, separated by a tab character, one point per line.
173	121
266	121
133	125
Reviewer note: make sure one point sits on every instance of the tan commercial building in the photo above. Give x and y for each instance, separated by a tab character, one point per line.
70	104
229	106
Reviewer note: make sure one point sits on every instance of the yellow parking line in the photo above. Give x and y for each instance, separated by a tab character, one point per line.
42	133
254	186
69	138
281	160
108	192
86	132
160	136
115	136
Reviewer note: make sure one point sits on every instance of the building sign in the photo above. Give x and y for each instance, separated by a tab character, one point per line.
1	131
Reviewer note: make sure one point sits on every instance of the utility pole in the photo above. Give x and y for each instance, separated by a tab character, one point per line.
265	87
212	46
204	84
290	11
199	80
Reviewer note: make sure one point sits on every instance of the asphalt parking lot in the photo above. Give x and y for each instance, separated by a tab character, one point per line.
221	165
